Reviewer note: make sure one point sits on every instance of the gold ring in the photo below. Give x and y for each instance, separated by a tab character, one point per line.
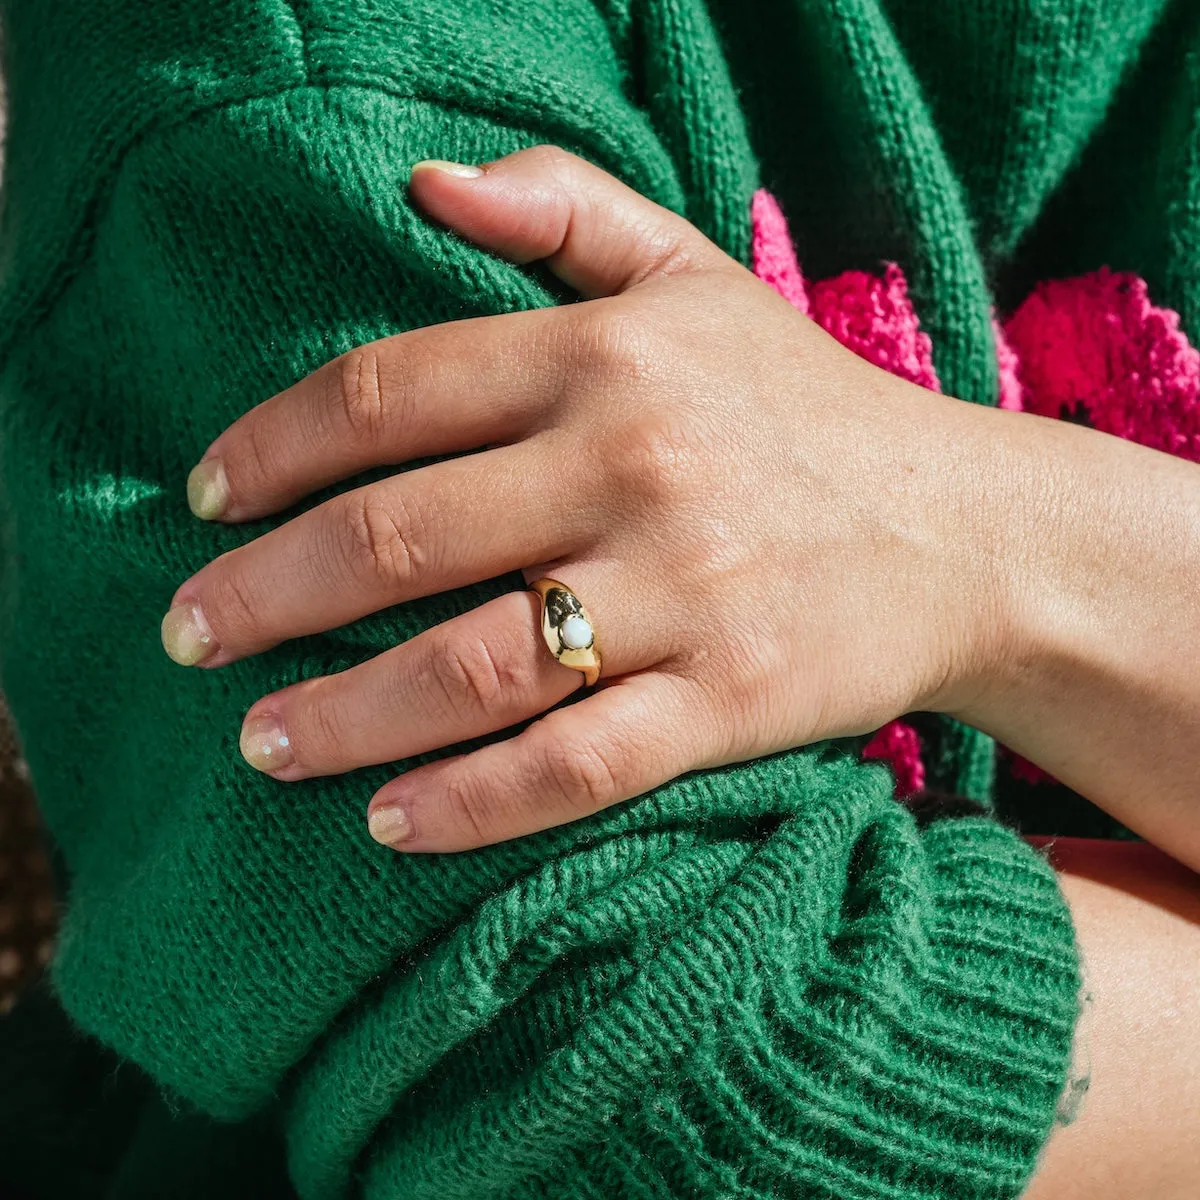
568	629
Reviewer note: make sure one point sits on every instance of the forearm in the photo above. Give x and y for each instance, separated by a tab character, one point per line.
1129	1114
1092	553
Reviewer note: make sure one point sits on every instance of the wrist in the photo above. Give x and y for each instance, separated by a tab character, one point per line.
981	620
1030	614
1081	537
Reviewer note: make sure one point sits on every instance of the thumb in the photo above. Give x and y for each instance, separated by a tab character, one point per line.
597	235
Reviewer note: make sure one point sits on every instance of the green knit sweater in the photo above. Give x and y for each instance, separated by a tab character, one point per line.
766	980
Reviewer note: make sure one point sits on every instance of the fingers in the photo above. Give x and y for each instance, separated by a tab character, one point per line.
425	531
446	388
473	675
478	673
597	235
455	387
619	742
464	384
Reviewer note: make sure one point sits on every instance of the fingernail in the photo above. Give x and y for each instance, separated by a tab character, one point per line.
208	489
186	636
390	824
461	170
264	745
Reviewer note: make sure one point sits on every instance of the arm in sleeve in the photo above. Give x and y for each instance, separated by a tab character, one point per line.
764	980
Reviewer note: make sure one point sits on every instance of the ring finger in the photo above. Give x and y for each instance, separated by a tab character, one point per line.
470	676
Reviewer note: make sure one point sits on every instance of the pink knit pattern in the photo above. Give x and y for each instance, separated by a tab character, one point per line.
772	251
1012	394
899	745
1097	343
874	317
869	314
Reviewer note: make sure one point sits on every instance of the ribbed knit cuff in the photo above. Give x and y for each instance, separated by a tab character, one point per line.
850	1007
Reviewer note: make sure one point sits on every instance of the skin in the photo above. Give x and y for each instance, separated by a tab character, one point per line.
934	555
1137	918
1033	578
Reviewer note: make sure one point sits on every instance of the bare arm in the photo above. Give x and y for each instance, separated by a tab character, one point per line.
1135	1134
1091	667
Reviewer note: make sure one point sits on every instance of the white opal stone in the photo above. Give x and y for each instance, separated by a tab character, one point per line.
576	633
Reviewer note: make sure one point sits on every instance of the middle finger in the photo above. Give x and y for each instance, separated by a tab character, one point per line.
424	531
479	672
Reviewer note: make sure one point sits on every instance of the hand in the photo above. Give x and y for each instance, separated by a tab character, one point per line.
777	542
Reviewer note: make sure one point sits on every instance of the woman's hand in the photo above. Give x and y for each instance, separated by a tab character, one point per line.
777	542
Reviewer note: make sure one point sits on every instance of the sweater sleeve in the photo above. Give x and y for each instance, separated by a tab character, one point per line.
766	980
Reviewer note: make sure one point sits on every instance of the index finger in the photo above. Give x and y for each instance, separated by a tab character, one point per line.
456	386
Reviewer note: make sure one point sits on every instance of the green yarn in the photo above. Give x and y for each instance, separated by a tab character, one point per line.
767	980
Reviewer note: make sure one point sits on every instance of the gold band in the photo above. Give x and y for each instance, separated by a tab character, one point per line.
567	629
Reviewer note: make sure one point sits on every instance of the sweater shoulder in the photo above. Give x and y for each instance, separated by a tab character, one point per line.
554	69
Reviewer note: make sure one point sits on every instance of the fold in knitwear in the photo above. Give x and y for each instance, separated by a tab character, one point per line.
766	980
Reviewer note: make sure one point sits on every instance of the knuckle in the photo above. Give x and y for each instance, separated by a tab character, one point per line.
748	669
382	541
550	157
655	459
467	809
357	395
470	677
669	256
583	775
619	347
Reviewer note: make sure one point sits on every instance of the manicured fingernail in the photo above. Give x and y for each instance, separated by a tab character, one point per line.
264	744
390	824
208	489
186	636
462	170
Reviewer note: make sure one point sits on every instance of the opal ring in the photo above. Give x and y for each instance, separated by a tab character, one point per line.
568	629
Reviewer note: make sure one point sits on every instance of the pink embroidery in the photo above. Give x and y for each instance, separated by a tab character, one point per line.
899	746
1097	342
1011	392
774	256
874	317
870	315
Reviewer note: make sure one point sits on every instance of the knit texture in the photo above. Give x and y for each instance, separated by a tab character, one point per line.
1099	345
767	980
